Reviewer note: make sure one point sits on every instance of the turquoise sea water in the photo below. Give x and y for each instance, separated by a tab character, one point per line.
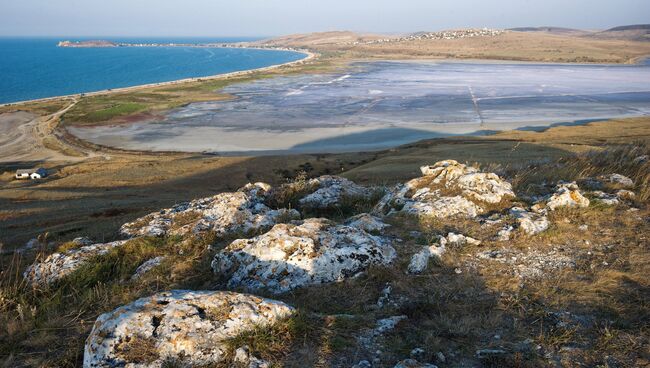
36	68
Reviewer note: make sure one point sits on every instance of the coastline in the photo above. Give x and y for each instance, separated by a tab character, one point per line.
309	56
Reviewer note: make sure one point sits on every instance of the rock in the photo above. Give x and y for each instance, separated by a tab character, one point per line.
332	192
290	256
605	198
417	352
420	260
489	353
443	207
457	240
641	159
625	195
447	189
224	214
190	328
243	358
367	223
363	364
505	233
441	357
566	195
367	339
146	267
617	179
58	265
531	223
412	363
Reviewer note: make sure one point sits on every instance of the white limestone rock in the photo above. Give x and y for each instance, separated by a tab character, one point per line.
505	233
566	195
485	187
606	198
224	214
332	191
458	240
420	260
58	265
147	266
188	327
367	223
531	223
290	256
244	358
444	207
618	179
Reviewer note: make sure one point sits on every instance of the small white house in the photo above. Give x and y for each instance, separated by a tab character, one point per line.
37	173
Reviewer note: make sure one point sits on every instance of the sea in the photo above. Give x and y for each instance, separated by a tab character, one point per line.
32	68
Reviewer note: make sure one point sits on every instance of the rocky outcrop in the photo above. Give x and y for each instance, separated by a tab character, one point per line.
332	192
291	255
529	222
189	328
58	265
446	189
566	195
224	214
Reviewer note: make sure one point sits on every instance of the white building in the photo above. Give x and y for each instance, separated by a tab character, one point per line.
37	173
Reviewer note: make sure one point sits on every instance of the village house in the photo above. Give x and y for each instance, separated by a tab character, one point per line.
37	173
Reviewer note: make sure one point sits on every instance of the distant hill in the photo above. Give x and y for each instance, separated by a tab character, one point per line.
553	30
637	32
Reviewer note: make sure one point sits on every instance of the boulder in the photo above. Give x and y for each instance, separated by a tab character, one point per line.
617	179
625	195
58	265
332	191
443	207
224	214
367	223
457	240
446	189
188	328
293	255
566	195
420	260
244	358
531	223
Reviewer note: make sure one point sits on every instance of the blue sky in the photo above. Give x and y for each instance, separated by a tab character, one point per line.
277	17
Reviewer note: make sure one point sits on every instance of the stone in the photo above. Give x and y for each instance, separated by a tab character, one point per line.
625	195
617	179
641	159
412	363
531	223
566	195
224	214
244	358
363	364
58	265
147	266
190	328
505	233
457	240
332	191
289	256
444	207
606	198
367	223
